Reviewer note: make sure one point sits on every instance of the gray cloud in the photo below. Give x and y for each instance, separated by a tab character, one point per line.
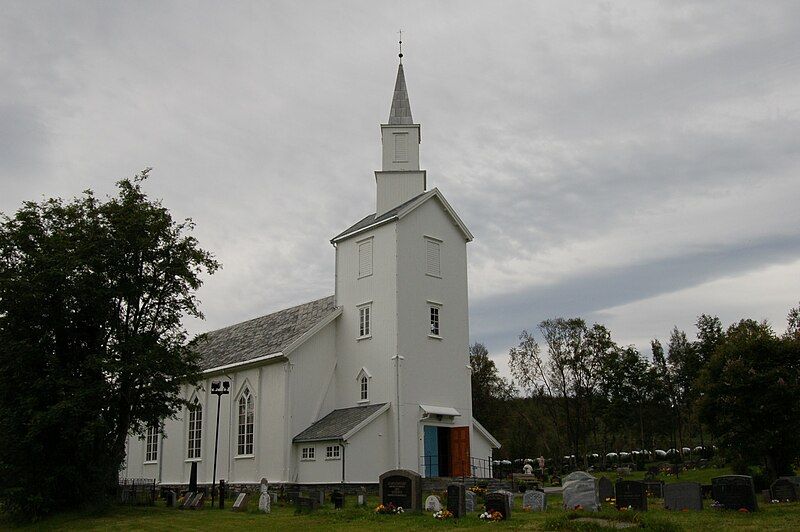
603	154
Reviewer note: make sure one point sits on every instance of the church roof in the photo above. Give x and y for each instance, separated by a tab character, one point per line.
401	210
339	423
260	337
401	107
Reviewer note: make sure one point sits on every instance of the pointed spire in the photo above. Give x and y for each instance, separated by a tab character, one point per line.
401	108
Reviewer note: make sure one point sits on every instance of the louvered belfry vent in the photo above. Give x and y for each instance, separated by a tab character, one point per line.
433	253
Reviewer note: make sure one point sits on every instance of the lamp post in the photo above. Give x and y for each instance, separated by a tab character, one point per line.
219	389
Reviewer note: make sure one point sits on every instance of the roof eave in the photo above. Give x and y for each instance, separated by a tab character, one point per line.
244	364
363	229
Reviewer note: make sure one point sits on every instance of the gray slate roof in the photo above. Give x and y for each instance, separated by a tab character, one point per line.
400	112
370	219
261	336
337	423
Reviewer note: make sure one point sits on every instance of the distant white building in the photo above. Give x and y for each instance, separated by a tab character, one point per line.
343	388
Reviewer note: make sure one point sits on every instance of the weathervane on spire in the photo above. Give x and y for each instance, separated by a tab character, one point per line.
400	55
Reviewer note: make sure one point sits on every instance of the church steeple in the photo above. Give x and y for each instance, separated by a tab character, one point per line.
401	108
400	178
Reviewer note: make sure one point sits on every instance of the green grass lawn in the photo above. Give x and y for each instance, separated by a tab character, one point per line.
770	517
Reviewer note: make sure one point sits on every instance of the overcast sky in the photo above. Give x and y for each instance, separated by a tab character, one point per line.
633	163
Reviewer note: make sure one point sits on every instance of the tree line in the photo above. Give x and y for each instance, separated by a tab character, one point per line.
575	392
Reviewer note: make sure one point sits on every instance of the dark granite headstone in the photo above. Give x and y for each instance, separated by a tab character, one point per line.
606	488
631	494
734	492
223	492
498	502
337	498
655	488
457	500
402	488
683	496
302	504
169	498
241	502
783	490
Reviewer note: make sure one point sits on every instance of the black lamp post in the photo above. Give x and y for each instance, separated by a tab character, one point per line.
219	389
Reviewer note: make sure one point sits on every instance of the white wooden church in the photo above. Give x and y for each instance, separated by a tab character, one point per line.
341	389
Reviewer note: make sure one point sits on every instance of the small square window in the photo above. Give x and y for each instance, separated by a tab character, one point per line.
308	453
332	452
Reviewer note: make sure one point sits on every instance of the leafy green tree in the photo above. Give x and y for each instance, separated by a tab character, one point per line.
92	348
748	397
489	389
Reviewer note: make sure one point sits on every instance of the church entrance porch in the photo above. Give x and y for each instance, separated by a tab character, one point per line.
446	452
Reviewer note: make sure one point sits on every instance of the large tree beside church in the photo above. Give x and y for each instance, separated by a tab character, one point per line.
92	346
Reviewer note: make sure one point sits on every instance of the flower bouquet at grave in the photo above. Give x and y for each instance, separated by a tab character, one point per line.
389	509
478	490
491	516
443	514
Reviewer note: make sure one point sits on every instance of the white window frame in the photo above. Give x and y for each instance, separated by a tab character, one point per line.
367	241
245	423
364	321
434	313
308	454
437	242
363	389
194	431
151	445
333	452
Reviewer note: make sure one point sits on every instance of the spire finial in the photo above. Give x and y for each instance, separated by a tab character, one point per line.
400	55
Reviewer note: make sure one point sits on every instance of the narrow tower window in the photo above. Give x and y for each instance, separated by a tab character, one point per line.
364	388
435	311
365	258
364	317
433	257
401	147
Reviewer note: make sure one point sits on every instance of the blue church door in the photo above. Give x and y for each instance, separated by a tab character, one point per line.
431	458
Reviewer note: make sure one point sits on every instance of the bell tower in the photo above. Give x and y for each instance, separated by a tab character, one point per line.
400	178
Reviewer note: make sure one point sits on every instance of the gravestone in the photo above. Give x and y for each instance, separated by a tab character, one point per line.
705	490
580	489
509	495
498	502
534	500
187	500
193	478
606	488
402	488
766	496
433	504
337	498
469	500
241	502
794	480
302	504
169	498
197	501
223	492
683	496
655	488
734	492
320	496
361	500
456	500
783	490
264	500
631	494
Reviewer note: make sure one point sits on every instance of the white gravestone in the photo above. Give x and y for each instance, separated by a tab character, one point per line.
433	504
527	469
534	500
264	501
580	489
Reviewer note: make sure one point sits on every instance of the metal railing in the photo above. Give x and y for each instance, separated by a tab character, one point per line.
136	491
434	465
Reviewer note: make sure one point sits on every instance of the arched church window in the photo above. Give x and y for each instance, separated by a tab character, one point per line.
364	388
195	429
246	422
